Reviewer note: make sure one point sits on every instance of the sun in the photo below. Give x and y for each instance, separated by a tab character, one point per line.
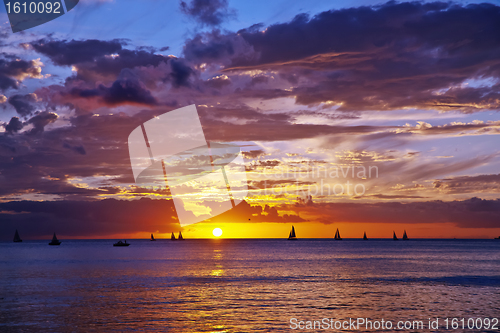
217	232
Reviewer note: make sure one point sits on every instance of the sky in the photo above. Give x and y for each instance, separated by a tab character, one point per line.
356	115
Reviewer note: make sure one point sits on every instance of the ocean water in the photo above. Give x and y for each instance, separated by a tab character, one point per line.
244	285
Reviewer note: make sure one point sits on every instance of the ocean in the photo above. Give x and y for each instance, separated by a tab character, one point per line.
267	285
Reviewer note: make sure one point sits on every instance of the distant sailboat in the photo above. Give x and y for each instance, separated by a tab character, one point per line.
55	241
172	237
394	236
405	237
337	235
364	236
152	238
291	235
180	236
17	239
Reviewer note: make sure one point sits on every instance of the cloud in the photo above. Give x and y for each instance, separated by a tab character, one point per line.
124	90
469	184
395	55
14	70
79	149
180	73
108	66
65	53
112	75
101	218
253	154
40	120
23	103
217	48
208	12
240	124
471	213
14	125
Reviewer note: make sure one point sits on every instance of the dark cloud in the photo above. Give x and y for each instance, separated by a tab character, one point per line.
112	75
14	125
41	163
23	104
41	120
124	90
266	126
79	149
391	56
208	12
72	52
215	47
469	184
471	213
253	154
180	73
13	71
102	218
244	212
111	66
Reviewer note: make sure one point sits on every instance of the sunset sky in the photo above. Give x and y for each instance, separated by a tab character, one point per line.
400	99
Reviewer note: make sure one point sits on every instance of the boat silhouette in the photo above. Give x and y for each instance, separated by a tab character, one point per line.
337	235
120	243
54	241
17	239
152	238
180	236
291	235
394	236
172	237
364	236
405	237
497	237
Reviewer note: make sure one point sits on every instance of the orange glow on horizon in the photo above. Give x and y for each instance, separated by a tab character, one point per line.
204	230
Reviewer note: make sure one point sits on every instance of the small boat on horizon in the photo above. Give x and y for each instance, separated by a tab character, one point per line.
497	237
17	239
291	235
337	235
152	238
180	236
54	240
394	236
405	237
364	236
120	243
172	237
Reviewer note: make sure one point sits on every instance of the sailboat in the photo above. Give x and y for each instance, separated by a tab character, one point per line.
337	235
152	238
172	237
180	236
405	237
17	239
55	241
291	235
364	236
394	236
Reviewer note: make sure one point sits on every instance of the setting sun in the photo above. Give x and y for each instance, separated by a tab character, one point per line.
217	232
